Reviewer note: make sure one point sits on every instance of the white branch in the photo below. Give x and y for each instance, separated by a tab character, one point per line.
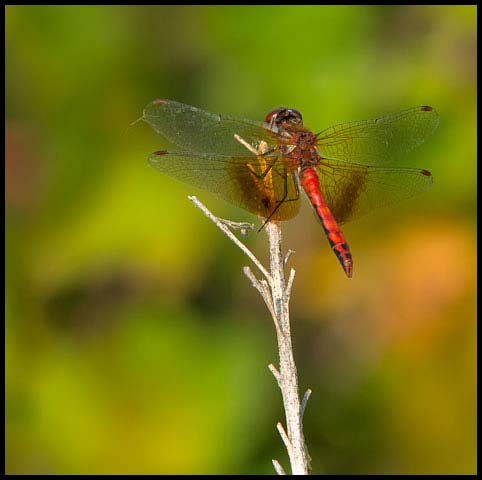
221	224
288	255
278	467
276	293
285	438
288	382
275	373
305	401
262	287
243	227
290	283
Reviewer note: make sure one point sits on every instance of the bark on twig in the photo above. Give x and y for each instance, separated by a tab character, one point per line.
276	294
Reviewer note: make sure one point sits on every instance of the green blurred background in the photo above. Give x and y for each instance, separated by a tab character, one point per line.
134	343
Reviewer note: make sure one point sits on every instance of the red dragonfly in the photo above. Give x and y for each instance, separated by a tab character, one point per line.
261	166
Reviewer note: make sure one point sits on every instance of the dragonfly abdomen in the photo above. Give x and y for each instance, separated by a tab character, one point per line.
311	185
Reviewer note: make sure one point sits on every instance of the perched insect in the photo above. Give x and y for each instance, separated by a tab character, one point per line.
261	166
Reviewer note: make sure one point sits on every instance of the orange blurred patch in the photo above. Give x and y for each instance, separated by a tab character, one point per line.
409	283
429	271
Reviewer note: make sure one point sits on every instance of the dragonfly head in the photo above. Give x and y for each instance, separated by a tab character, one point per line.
284	118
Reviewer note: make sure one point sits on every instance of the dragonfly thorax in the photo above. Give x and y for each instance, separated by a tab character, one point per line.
304	139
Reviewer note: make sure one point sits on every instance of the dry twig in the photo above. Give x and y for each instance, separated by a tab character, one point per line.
276	295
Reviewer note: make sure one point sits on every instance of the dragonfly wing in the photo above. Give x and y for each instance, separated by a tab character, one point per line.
379	139
239	180
197	131
352	190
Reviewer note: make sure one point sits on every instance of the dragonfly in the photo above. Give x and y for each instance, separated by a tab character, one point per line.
262	166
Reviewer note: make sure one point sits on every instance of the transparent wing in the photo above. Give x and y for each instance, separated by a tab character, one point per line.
201	132
352	190
379	139
256	184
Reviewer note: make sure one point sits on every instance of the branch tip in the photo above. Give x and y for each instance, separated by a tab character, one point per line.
279	469
288	255
305	401
249	273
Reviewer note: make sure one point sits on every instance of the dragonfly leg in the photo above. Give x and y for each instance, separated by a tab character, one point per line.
285	196
265	172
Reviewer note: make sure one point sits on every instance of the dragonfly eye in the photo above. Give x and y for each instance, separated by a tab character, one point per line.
283	117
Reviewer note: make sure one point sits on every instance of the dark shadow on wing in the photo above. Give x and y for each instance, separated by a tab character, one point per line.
353	190
235	179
